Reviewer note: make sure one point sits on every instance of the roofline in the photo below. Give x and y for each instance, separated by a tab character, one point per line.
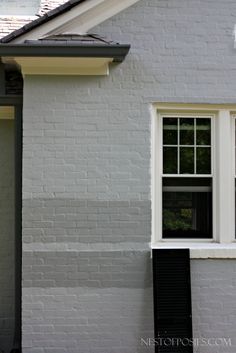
41	20
118	51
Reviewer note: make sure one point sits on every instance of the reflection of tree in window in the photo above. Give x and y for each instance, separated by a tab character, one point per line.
187	208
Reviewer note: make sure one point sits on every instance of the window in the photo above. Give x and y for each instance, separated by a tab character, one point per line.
186	177
194	175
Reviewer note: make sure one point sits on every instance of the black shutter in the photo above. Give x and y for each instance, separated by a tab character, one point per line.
172	301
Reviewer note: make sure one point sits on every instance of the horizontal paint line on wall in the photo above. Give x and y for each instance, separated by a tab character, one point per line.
197	250
86	247
201	250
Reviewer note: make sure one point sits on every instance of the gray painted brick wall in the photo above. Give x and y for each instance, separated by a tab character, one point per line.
213	300
86	176
6	234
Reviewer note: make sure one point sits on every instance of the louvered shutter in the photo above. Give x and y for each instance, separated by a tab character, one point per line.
172	301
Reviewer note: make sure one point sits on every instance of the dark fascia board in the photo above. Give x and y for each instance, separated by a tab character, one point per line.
118	51
41	20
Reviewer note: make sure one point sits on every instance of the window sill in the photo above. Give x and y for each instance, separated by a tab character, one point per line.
202	250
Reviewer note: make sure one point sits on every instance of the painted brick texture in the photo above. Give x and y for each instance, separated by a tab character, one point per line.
86	176
213	299
81	191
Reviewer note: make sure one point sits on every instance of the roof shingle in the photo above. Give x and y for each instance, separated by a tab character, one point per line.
48	9
48	5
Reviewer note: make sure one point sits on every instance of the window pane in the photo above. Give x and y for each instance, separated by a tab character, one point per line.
170	160
186	145
170	126
203	131
187	208
203	160
186	160
186	131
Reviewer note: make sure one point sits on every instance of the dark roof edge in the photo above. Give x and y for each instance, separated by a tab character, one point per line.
118	52
41	20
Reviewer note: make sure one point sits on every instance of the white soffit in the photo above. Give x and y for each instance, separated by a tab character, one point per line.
62	66
78	20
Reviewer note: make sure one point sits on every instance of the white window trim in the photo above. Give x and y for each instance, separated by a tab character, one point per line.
223	164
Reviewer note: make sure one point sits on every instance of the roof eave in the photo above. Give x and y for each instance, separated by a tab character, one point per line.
118	52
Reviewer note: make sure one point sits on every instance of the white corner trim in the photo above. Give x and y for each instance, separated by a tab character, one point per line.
78	20
63	66
202	250
225	229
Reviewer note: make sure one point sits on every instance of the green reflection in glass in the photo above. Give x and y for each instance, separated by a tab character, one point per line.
186	131
203	160
170	160
203	133
186	160
170	126
187	207
177	218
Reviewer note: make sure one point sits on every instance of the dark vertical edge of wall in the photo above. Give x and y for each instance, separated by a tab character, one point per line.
17	103
18	226
172	300
18	218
